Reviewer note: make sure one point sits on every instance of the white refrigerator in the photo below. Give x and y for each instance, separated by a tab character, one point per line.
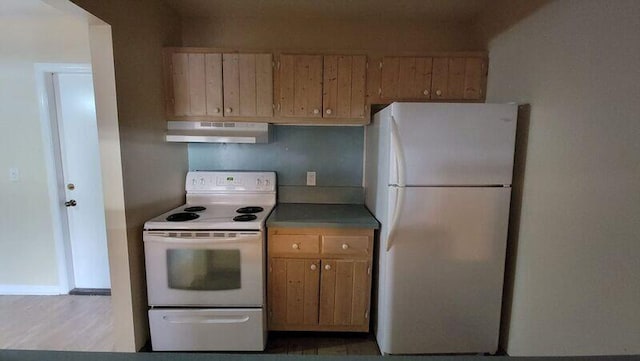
438	178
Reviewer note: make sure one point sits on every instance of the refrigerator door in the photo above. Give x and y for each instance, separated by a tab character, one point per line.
454	144
441	287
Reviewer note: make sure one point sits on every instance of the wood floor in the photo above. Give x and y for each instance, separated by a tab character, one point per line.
83	323
61	323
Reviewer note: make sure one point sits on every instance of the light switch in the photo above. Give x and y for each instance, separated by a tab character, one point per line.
14	174
311	178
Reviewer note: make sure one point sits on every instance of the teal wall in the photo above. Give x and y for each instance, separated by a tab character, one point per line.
334	153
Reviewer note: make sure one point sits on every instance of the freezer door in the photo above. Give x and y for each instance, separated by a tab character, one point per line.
443	276
455	144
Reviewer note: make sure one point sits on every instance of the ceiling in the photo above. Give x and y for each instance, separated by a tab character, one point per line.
440	10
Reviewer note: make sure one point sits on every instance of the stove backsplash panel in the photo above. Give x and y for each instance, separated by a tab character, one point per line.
334	153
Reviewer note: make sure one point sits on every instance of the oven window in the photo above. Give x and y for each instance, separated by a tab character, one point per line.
203	269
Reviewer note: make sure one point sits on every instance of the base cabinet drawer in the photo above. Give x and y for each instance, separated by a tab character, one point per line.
294	244
346	245
207	329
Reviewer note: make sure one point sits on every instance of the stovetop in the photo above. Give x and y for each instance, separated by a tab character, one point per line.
221	200
214	217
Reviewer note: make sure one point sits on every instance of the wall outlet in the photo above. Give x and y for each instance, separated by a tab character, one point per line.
311	178
14	174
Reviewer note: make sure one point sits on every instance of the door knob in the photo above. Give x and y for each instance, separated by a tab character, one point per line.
71	203
71	186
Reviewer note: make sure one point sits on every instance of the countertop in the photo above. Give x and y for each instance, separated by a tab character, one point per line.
310	215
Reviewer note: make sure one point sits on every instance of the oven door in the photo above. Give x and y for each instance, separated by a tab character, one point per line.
204	268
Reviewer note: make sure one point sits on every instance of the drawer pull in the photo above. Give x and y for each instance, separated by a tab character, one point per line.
345	246
295	246
314	267
327	267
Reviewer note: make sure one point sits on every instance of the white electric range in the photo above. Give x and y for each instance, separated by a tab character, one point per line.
205	264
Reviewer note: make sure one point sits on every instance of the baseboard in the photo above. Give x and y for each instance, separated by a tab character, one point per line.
29	290
91	292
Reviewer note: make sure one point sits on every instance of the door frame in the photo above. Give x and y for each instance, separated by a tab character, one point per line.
53	164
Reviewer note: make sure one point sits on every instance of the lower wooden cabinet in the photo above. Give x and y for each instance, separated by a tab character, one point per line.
319	279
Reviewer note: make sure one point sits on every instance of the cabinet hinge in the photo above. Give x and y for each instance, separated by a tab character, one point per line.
270	268
278	65
380	65
273	64
380	91
369	271
366	65
278	107
366	314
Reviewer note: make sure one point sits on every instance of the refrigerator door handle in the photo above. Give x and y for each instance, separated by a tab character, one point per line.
396	216
399	153
400	177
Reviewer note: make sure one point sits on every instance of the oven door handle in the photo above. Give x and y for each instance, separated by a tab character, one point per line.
203	240
206	319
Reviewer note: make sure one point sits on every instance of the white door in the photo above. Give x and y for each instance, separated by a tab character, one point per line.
443	275
81	179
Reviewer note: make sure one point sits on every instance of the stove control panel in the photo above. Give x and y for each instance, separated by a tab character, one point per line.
205	181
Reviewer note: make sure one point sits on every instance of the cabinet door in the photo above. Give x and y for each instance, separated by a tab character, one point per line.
248	85
344	86
188	78
458	78
195	85
344	292
473	78
301	86
293	291
406	78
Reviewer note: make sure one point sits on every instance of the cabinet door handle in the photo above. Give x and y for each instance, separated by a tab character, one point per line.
229	110
316	111
438	92
314	267
425	92
216	110
329	111
345	246
327	267
295	246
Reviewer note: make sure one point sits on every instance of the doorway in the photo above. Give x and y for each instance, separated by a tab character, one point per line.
74	177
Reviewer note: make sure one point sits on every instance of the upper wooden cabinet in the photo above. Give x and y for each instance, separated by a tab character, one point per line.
406	78
428	78
329	88
203	85
458	78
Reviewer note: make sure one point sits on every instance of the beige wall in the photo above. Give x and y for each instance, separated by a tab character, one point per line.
27	246
153	170
574	287
328	34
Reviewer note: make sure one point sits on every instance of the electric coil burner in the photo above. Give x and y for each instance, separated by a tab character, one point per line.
245	210
195	209
205	264
245	218
182	217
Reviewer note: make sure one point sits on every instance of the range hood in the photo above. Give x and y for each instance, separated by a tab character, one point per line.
217	132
